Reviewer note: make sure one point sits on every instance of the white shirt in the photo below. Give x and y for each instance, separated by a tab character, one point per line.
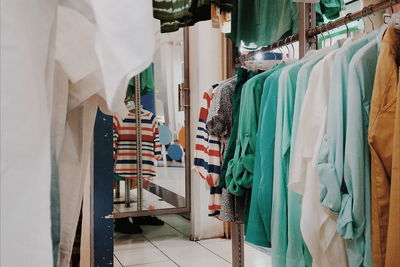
100	44
318	225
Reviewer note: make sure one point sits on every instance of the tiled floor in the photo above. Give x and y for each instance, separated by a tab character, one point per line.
169	245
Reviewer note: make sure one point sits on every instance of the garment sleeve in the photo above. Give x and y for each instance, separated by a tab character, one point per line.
240	169
201	160
115	136
156	140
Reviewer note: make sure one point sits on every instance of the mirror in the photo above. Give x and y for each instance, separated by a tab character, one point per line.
150	173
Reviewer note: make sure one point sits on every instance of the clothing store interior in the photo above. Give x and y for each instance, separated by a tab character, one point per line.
200	133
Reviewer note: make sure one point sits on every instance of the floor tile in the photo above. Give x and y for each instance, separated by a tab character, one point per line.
214	240
140	256
131	244
156	264
223	249
116	263
211	260
186	252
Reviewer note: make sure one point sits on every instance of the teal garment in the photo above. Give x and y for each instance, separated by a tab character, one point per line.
331	154
330	9
357	155
288	247
262	22
243	76
258	229
146	82
239	175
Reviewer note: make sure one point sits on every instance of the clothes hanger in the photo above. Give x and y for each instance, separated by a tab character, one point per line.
393	19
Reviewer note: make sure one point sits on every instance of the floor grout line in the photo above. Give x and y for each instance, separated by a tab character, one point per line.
177	229
161	251
213	252
115	256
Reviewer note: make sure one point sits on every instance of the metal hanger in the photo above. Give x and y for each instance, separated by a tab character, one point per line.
345	23
329	34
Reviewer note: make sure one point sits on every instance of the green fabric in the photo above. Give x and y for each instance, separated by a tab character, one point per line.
174	14
262	22
242	76
239	175
118	178
328	8
259	222
357	154
289	248
146	82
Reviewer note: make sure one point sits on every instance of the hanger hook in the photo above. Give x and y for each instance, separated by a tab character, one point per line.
371	10
391	6
291	43
286	45
364	14
347	17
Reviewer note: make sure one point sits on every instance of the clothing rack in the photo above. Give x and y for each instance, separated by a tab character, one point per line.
307	41
312	32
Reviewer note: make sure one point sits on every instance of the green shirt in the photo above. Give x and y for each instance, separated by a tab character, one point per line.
262	22
242	76
239	175
258	229
288	248
357	155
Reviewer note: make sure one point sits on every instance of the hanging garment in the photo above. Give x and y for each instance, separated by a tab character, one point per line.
381	139
288	247
207	155
357	156
219	118
330	166
242	76
393	246
258	23
317	223
174	14
258	229
239	175
126	145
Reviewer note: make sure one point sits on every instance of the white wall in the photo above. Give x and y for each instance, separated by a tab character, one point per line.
205	70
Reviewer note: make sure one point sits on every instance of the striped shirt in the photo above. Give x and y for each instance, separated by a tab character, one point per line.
125	144
208	156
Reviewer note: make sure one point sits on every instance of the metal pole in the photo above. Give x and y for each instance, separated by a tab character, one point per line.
138	110
237	245
186	108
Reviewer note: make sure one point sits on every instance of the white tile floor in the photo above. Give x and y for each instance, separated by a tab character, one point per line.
169	245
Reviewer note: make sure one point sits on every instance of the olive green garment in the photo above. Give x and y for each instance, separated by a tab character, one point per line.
258	229
239	175
174	14
242	76
262	22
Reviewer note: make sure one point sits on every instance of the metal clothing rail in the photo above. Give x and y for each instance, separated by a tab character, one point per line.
306	37
314	31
